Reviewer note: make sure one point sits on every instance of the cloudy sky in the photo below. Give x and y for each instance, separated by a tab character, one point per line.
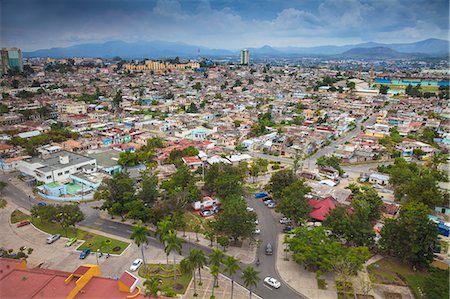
227	24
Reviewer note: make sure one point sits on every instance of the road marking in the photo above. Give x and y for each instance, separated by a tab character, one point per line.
268	287
112	226
129	231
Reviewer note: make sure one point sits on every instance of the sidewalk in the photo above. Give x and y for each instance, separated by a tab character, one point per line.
246	254
301	280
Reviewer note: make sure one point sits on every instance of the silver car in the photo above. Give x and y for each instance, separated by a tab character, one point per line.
53	238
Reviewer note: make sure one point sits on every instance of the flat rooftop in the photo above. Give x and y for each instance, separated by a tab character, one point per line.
53	162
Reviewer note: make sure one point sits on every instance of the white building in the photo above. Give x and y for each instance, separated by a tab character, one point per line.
56	166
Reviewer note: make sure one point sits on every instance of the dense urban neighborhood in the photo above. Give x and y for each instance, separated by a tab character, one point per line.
215	178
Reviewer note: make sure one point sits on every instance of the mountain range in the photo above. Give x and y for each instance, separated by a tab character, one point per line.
164	49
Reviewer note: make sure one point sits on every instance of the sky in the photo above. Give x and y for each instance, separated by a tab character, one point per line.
224	24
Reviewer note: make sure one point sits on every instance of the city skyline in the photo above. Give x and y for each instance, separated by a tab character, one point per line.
224	24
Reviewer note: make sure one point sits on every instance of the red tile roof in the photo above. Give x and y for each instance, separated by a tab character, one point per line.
321	208
127	279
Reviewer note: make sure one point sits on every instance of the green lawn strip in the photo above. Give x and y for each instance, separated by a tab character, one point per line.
97	241
192	219
321	284
391	271
165	273
17	216
444	246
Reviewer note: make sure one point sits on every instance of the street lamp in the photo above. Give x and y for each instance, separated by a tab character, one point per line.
203	166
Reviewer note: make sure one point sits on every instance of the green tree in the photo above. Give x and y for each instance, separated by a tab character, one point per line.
172	244
231	266
152	286
188	265
215	273
279	181
367	195
199	259
223	241
292	202
163	228
115	193
117	100
216	259
149	189
192	108
331	161
384	89
251	278
140	237
235	221
412	236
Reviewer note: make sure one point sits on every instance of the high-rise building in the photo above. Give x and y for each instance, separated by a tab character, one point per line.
245	57
10	58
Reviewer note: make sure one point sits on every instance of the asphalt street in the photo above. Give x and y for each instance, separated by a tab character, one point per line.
269	226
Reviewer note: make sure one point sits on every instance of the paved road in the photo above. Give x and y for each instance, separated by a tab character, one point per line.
268	224
310	162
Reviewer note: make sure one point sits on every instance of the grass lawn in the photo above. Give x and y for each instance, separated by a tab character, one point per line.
17	216
3	203
193	219
166	276
424	88
392	271
321	284
93	241
444	246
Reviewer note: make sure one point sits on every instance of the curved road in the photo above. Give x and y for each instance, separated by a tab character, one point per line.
270	228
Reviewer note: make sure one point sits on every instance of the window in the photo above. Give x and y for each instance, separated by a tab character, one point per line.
49	177
59	173
66	172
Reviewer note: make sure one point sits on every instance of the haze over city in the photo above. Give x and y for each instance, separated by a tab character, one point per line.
227	24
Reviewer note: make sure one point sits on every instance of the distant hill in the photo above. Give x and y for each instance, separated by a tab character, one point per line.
374	53
164	49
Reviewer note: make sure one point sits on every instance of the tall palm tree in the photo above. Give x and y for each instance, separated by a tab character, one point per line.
199	259
251	278
162	229
139	236
172	244
216	259
187	265
231	267
215	273
152	286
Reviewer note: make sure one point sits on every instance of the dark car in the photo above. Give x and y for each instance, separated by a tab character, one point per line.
42	204
288	229
267	199
85	253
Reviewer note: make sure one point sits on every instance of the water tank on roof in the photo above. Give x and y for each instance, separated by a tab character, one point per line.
64	159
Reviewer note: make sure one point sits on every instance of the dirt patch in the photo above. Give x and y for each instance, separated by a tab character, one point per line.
389	295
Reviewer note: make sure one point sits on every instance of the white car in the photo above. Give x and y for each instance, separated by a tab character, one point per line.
250	209
272	282
257	231
285	220
256	222
136	264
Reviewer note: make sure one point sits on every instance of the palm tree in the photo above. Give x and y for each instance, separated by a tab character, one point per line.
215	273
216	259
231	267
187	265
199	260
152	286
139	236
172	244
162	229
251	278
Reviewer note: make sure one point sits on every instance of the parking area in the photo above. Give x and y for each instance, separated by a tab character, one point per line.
57	256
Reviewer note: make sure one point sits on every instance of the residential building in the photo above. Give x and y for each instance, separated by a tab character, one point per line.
245	57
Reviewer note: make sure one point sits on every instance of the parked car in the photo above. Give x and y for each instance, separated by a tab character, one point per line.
288	229
257	231
271	205
85	253
266	199
344	175
53	238
136	264
285	220
23	223
217	209
71	241
269	249
261	195
250	209
272	282
42	204
206	213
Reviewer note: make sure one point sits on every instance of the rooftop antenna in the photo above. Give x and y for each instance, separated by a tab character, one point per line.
371	75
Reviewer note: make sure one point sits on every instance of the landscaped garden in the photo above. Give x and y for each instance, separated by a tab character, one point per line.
18	216
433	282
93	241
165	274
